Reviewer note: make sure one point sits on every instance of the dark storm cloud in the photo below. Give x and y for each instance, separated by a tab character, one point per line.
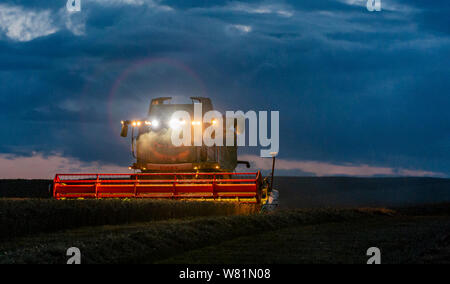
351	86
433	15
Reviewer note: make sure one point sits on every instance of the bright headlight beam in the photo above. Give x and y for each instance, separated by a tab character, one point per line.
155	123
175	123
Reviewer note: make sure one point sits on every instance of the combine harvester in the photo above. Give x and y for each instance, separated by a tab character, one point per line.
168	172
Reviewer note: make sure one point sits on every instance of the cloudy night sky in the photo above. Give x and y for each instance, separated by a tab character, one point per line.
359	93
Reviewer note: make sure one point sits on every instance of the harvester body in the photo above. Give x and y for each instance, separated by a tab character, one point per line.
167	171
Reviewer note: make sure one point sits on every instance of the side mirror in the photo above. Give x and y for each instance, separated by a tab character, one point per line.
124	132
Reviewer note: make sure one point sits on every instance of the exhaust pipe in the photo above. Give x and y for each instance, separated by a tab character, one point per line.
273	154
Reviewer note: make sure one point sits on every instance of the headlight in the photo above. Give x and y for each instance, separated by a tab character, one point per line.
176	123
155	123
173	123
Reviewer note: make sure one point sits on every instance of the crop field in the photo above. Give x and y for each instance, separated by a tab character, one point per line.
20	217
329	230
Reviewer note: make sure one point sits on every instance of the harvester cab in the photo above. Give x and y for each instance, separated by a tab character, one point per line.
162	170
152	147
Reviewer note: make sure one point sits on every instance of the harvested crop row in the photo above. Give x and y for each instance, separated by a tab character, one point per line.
31	216
155	241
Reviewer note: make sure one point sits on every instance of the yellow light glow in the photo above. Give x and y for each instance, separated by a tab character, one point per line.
214	121
148	123
196	122
138	123
134	123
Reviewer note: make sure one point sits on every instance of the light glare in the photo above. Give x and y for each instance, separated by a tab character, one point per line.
155	123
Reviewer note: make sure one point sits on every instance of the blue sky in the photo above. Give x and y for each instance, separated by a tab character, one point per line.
359	93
